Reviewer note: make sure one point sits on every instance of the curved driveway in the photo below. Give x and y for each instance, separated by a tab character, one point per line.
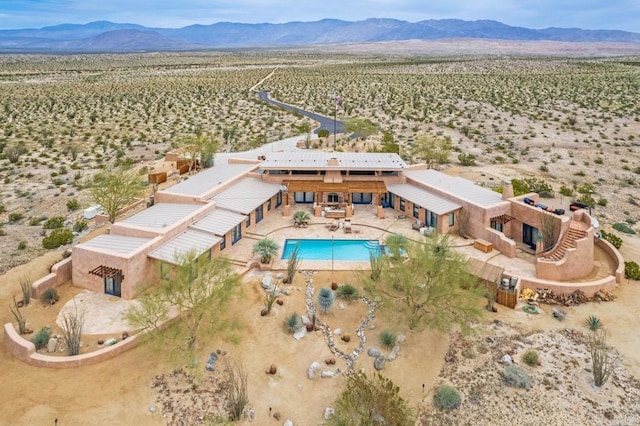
325	122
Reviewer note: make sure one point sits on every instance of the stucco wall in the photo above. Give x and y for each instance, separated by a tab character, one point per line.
589	288
60	273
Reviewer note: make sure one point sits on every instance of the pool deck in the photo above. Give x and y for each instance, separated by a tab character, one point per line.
366	226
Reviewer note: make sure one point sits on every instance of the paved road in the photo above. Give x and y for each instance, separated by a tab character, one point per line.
325	122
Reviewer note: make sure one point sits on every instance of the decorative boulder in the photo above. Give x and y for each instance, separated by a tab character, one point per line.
379	362
374	352
52	345
506	359
329	412
314	370
394	353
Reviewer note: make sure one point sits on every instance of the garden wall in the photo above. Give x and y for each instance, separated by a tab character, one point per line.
60	273
25	351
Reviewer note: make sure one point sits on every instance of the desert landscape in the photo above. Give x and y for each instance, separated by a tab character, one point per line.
571	122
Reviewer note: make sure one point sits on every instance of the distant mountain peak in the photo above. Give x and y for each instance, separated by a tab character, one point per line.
105	35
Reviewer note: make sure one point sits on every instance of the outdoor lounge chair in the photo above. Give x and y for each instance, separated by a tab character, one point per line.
333	226
347	227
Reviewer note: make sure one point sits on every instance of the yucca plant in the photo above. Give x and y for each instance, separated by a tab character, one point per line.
593	323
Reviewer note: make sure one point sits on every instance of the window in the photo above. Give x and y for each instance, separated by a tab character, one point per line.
278	199
223	243
416	211
498	226
432	219
333	198
248	221
237	233
361	198
451	219
269	205
259	213
165	271
401	204
303	197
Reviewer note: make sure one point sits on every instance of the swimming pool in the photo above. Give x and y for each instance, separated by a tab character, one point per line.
332	249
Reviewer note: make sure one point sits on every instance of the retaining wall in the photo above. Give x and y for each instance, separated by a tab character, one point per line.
60	273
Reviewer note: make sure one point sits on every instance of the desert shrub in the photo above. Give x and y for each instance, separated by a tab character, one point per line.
467	159
531	357
57	238
15	217
593	323
35	221
292	322
325	298
3	208
387	339
516	376
524	186
612	238
566	191
601	362
22	245
347	292
54	223
80	226
603	202
73	205
323	133
41	338
50	296
623	227
446	398
631	270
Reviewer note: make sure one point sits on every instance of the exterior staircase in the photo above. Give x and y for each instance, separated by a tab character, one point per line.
575	232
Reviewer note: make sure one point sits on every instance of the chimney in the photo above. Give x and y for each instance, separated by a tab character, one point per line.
507	191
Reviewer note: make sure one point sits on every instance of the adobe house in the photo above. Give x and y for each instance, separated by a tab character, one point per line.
212	210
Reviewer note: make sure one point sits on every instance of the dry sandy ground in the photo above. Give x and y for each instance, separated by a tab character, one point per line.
120	390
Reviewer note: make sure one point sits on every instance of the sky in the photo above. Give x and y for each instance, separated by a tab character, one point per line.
587	14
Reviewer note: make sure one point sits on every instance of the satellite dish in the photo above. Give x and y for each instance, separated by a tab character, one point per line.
283	188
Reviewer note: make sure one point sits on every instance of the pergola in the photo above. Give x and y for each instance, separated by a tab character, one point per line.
503	218
107	272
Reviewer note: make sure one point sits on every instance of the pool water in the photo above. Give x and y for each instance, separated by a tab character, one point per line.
332	249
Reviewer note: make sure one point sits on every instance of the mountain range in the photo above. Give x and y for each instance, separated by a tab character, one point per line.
104	36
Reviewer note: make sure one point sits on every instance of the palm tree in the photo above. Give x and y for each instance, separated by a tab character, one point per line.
266	249
300	218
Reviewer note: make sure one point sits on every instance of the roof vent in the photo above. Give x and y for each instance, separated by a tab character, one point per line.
333	162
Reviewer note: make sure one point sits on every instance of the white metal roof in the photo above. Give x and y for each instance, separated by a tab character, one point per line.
219	222
423	198
318	160
116	243
246	195
209	178
456	186
162	215
191	240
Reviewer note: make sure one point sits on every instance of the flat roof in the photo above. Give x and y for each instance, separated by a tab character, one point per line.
423	198
458	187
219	222
162	215
208	179
116	243
317	160
246	195
174	250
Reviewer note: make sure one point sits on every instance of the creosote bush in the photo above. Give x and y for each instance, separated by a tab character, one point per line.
612	238
57	238
516	376
446	398
631	270
531	357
